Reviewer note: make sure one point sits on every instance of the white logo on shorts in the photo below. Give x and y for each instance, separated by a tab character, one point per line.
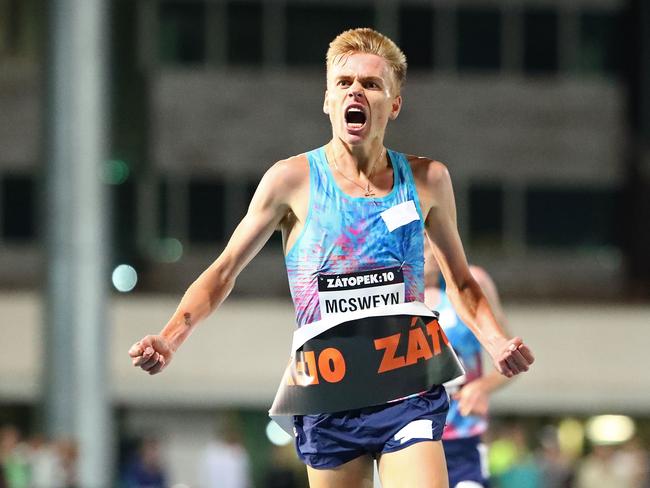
418	429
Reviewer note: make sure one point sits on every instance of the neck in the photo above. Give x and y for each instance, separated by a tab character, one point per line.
358	158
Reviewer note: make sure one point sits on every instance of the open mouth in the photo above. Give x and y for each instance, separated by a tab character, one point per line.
355	118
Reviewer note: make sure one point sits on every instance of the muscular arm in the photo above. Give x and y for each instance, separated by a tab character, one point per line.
474	397
492	380
270	204
436	197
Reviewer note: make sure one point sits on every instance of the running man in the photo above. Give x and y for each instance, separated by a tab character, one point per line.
466	421
352	214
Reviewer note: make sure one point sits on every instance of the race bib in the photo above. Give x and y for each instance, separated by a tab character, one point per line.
353	292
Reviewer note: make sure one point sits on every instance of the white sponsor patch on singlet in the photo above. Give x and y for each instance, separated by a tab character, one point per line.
353	292
400	215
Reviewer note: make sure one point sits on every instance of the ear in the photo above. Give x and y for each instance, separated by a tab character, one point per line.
396	107
325	109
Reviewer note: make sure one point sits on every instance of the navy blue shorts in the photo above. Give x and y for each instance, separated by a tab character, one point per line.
466	461
329	440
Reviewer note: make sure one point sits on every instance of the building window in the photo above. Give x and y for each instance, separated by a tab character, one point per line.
479	39
311	27
541	41
486	215
206	218
601	42
182	36
245	28
18	208
572	217
416	34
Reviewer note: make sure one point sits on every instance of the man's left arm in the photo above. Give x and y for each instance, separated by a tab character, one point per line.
510	356
474	397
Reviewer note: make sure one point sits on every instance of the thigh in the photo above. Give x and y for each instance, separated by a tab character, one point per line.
353	474
421	464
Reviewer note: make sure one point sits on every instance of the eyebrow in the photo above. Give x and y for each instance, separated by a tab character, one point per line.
361	78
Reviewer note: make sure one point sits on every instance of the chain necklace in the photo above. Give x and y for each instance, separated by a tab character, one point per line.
368	192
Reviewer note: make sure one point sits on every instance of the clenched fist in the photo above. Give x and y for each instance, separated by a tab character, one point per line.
152	353
513	357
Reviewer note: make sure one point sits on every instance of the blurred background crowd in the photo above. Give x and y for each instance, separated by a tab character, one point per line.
602	452
132	135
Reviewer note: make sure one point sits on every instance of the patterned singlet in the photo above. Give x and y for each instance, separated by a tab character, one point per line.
350	257
469	351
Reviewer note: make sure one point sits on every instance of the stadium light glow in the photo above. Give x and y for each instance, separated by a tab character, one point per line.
610	429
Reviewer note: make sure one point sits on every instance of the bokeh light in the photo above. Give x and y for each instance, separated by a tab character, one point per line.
276	435
115	172
571	437
610	429
167	250
124	278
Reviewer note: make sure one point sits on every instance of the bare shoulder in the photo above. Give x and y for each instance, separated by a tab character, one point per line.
427	171
432	181
290	171
284	179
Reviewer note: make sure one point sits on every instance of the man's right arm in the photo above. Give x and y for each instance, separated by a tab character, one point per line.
269	205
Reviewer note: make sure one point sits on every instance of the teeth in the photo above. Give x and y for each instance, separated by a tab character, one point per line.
354	109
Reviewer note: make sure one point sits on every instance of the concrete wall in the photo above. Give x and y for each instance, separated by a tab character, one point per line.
590	358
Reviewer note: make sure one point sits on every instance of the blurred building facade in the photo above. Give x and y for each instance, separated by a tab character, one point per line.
525	101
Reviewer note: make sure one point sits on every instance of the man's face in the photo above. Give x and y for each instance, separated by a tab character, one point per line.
362	96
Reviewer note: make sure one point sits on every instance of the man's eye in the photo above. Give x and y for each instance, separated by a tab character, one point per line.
343	83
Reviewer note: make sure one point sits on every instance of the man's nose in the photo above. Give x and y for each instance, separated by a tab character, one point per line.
356	90
355	93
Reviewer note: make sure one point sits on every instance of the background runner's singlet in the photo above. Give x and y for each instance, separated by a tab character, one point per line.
356	253
469	351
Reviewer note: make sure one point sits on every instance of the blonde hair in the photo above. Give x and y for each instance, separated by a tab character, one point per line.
368	41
